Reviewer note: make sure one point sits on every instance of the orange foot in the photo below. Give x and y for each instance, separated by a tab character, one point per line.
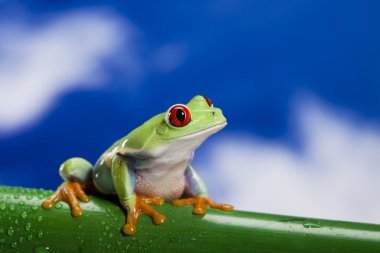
67	192
142	206
200	204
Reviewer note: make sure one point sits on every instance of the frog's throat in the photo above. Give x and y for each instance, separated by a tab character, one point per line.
207	131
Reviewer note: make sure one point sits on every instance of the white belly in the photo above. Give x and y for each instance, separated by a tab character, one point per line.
164	174
155	182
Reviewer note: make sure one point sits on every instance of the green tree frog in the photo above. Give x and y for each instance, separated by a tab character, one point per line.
148	166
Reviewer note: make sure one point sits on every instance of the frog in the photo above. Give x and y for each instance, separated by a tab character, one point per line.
147	167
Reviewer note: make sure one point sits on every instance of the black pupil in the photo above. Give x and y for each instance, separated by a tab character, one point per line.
180	114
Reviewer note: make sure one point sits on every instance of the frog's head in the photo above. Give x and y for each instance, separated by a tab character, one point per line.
197	118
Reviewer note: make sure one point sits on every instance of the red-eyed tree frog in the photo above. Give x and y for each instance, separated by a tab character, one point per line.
148	166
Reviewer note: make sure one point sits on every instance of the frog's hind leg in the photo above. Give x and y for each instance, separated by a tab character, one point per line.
77	174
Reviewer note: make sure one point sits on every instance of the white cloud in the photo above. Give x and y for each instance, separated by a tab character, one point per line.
38	63
334	175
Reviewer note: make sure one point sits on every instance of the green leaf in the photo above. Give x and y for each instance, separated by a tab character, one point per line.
26	227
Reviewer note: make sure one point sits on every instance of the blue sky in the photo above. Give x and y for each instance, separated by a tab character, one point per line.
298	82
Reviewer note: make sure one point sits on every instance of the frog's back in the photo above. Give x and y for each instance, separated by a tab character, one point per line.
135	140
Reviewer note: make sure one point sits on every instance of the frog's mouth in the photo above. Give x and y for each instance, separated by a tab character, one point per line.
205	131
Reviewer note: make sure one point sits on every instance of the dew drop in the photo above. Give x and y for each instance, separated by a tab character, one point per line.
10	231
30	237
41	249
16	221
14	244
58	206
28	226
311	225
107	228
21	203
2	207
24	215
40	196
12	207
110	235
39	218
16	196
29	197
2	240
108	246
21	239
34	207
40	234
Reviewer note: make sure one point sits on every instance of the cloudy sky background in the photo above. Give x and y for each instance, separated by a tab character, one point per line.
299	83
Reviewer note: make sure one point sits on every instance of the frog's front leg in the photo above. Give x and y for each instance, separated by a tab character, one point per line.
135	204
77	174
198	196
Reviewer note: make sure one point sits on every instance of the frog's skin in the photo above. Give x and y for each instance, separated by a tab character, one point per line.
148	166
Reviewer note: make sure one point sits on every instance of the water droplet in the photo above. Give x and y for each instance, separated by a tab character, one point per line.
29	197
40	234
107	228
118	242
12	207
39	218
10	231
40	196
28	226
14	244
1	230
133	238
2	207
16	196
34	207
108	246
30	237
103	222
110	235
21	239
58	206
41	249
24	215
193	238
79	226
16	221
127	246
311	225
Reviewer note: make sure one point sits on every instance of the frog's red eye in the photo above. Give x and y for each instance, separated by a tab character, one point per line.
208	101
178	116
